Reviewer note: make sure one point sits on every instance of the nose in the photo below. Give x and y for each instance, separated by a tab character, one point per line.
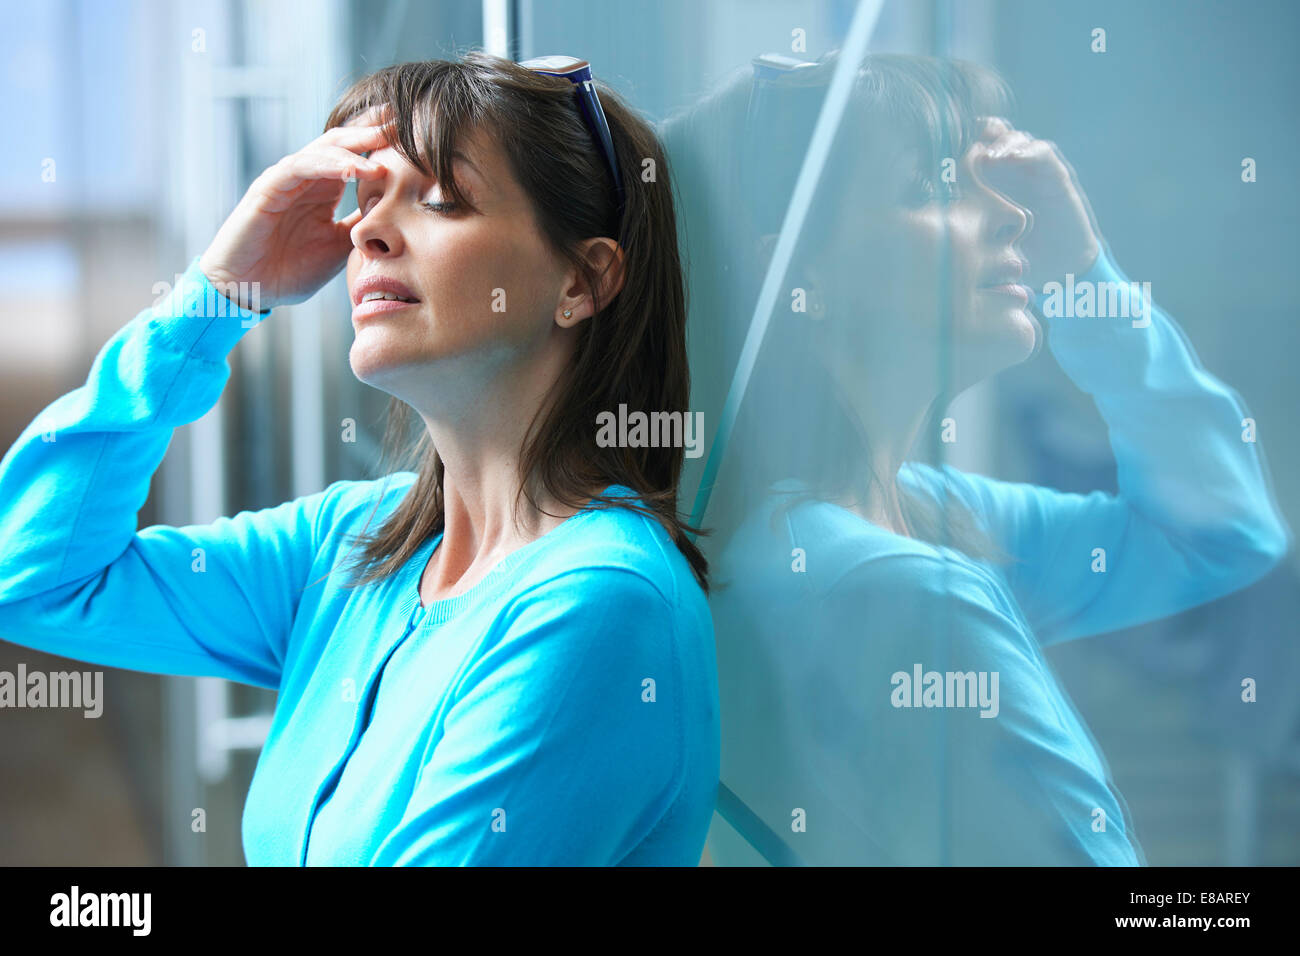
376	235
1008	220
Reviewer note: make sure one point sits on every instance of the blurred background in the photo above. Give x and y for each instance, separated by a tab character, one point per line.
136	125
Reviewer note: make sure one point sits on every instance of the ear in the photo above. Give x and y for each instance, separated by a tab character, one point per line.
606	259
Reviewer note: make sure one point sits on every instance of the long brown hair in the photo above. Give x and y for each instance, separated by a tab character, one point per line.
631	351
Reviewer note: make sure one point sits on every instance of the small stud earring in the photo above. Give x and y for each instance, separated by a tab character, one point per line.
568	313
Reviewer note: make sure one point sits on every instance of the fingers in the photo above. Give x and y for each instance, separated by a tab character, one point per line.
362	140
359	138
321	162
327	159
1029	163
1000	140
379	115
1017	153
1010	144
993	128
344	225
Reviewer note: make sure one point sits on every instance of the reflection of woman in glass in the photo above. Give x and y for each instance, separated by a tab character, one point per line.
527	674
881	620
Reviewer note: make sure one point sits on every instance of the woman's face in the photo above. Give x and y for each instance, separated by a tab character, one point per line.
485	282
884	269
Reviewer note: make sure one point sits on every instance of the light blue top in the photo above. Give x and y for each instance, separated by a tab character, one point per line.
813	744
562	711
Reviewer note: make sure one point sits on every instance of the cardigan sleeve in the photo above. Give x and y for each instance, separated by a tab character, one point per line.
564	743
76	577
1195	517
990	771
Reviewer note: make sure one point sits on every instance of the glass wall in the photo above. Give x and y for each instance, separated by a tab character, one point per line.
992	346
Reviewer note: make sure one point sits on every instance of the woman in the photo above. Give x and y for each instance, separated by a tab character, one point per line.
504	656
881	620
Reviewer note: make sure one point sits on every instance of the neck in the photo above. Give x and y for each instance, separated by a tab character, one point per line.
478	428
892	405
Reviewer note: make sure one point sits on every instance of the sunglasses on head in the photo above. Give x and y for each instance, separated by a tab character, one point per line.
578	72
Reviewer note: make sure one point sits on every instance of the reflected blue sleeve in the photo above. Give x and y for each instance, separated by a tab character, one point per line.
556	749
78	580
1007	783
1195	517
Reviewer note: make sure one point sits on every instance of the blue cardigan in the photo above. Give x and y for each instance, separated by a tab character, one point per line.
818	613
563	710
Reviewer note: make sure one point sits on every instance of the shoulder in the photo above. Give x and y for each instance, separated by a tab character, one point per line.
822	563
618	550
922	578
611	584
821	546
349	507
344	502
600	597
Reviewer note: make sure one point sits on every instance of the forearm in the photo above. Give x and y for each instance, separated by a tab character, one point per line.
1186	448
74	481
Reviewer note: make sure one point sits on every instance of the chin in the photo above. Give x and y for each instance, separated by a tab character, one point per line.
1029	334
1011	337
371	365
998	344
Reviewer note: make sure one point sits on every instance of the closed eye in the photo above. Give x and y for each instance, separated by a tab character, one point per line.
923	189
438	207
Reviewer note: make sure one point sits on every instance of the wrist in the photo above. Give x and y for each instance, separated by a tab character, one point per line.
243	295
196	317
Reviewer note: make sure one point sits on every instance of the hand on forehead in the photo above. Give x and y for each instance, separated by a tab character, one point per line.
378	115
471	150
371	116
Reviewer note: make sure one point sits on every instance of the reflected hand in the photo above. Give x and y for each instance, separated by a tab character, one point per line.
1063	237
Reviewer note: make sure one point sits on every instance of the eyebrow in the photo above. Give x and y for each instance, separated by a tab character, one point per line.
456	154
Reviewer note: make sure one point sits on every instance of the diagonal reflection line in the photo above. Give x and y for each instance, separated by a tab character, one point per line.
755	832
729	806
810	174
